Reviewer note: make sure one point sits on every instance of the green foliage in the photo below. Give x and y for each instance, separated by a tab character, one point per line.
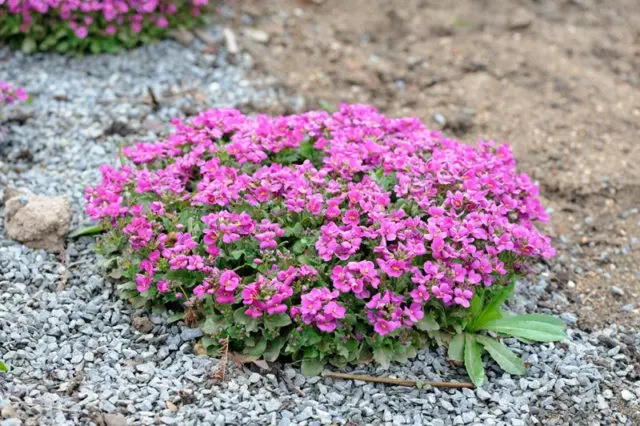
485	315
3	367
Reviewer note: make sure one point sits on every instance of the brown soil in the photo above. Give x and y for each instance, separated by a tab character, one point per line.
559	80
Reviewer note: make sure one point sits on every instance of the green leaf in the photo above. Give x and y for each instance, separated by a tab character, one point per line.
492	310
273	322
175	317
258	349
273	349
473	360
28	45
295	230
476	303
312	366
209	343
3	368
427	324
537	327
383	356
456	348
89	230
237	254
212	326
505	358
311	336
250	323
185	276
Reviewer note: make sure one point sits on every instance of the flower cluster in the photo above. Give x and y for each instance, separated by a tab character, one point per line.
106	24
10	94
352	225
319	307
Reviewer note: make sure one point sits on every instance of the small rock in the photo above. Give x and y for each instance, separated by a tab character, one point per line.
483	394
8	412
284	421
617	291
255	378
569	318
324	417
439	118
627	395
190	333
142	324
335	398
272	405
468	416
628	308
114	419
521	19
182	36
305	414
447	405
257	35
147	368
230	41
38	222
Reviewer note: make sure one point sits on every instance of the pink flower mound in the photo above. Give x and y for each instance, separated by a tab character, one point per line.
350	223
10	94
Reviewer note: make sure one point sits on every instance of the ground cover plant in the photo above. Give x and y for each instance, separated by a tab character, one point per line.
92	26
326	237
9	95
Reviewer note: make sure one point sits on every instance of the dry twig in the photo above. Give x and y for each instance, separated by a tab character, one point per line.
222	366
398	382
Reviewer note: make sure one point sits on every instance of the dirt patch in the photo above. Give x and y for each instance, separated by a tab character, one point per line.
559	80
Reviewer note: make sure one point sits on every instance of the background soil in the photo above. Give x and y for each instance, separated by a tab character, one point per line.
559	80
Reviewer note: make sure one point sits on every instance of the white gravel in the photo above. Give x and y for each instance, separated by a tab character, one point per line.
75	356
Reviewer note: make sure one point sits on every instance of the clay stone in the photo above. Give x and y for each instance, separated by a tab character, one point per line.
37	221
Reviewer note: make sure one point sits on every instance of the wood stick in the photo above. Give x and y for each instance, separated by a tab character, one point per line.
398	382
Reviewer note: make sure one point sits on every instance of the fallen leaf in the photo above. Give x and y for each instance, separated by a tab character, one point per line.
200	350
241	359
262	364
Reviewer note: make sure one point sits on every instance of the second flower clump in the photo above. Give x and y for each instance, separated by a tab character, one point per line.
94	25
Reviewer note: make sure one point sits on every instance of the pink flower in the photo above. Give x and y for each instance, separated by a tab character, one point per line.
162	286
229	280
420	294
351	217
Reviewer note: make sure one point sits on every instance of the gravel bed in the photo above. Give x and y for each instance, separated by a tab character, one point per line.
77	358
